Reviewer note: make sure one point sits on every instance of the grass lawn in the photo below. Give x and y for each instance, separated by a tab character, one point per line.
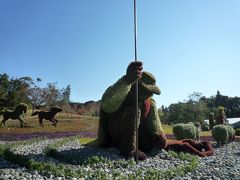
67	123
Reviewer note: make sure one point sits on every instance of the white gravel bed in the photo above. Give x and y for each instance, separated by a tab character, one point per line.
225	164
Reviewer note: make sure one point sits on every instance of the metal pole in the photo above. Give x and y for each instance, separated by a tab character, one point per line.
135	49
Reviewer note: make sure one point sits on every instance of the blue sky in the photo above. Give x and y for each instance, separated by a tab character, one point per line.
188	45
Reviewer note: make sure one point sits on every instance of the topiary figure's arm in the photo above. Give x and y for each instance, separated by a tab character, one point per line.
115	95
154	125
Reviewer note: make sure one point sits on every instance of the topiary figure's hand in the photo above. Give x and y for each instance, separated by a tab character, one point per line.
134	72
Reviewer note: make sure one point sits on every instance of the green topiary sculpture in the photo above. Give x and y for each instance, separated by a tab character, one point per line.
220	134
18	113
184	131
237	132
211	120
231	133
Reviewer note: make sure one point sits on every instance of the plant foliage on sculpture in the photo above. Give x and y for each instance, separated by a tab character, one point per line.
18	113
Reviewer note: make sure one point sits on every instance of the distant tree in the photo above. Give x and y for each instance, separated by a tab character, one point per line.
36	97
4	84
192	110
51	95
66	92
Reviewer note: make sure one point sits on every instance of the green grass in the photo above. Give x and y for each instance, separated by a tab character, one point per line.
67	123
86	140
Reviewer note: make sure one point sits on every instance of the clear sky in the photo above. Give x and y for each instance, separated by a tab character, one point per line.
189	45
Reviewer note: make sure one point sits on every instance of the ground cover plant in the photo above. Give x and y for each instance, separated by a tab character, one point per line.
61	168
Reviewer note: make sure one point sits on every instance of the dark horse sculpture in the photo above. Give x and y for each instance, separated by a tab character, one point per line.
49	115
18	113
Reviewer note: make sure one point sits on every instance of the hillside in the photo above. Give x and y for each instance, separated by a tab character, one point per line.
88	108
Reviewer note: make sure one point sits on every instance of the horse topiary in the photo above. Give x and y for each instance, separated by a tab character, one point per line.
18	113
48	115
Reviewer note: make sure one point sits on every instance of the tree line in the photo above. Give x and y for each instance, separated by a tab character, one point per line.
197	108
26	90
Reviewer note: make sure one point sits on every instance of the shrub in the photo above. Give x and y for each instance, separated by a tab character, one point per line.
231	132
220	134
211	120
205	126
184	131
237	132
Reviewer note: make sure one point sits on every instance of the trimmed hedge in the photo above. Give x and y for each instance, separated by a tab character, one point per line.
223	134
237	132
231	132
185	131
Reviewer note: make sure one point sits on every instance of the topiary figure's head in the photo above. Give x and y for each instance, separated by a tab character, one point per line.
146	87
220	134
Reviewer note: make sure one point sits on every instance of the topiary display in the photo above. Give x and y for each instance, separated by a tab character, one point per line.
211	120
237	132
220	116
48	115
184	131
220	134
231	133
18	113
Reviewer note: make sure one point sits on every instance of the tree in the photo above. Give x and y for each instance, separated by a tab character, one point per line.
193	110
51	95
4	84
66	92
36	97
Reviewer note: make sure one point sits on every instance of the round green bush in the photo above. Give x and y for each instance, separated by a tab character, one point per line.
231	132
220	134
184	131
237	132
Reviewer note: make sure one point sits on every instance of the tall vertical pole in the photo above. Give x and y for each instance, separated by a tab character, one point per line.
135	49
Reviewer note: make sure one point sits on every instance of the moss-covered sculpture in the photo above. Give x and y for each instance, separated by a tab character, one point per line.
211	120
118	116
231	133
201	149
220	134
18	113
223	134
220	115
185	131
48	115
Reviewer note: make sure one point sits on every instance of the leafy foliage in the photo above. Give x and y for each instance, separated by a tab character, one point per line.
220	134
231	132
184	131
198	107
60	169
17	90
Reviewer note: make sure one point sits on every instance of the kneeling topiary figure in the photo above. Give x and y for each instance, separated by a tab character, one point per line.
117	122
